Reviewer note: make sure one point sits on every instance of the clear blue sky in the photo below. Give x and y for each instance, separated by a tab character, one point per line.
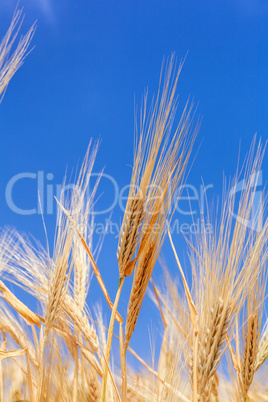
90	58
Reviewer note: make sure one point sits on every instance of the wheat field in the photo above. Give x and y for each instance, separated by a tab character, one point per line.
214	341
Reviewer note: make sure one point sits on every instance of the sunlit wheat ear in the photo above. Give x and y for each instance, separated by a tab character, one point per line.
151	144
140	282
248	364
250	337
129	235
56	291
212	337
10	63
170	173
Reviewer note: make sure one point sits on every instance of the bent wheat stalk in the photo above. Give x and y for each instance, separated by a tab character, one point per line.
30	317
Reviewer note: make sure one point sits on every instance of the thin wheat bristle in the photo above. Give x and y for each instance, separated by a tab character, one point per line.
154	160
10	64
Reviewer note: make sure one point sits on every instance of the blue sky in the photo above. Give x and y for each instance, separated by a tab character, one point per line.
90	59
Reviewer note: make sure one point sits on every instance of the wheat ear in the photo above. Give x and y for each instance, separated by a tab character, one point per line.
248	365
138	290
129	235
211	341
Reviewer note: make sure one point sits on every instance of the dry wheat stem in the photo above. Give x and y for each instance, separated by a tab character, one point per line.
195	364
24	371
30	380
123	364
110	337
137	357
111	375
152	371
